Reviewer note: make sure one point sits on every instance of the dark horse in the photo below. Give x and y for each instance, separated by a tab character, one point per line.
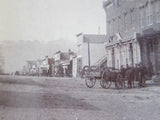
140	73
110	75
129	76
136	74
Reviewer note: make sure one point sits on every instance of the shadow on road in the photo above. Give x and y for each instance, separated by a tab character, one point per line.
42	100
27	81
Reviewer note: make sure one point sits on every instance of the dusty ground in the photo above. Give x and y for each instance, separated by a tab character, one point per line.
34	98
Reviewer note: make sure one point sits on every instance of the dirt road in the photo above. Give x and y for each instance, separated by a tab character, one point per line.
42	98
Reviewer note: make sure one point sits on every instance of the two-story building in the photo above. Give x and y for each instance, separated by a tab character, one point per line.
133	33
63	63
90	49
44	66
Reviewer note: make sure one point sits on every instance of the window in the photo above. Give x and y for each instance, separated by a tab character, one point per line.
143	17
109	28
152	13
135	18
125	21
157	11
118	23
147	9
131	19
113	25
117	1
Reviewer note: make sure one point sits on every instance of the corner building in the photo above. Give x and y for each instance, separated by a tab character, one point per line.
133	33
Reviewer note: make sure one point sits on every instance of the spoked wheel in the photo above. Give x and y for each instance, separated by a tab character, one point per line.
90	82
86	70
105	82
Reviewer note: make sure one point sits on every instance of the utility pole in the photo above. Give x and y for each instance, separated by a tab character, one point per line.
88	54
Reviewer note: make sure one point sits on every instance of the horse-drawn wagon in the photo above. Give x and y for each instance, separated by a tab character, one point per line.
110	75
107	76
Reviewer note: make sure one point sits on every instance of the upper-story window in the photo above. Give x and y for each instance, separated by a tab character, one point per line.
118	23
157	11
128	21
118	3
131	17
113	26
143	17
125	21
152	13
79	50
134	18
109	28
148	14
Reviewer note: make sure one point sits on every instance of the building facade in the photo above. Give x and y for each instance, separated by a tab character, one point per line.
39	67
90	49
31	68
63	63
133	33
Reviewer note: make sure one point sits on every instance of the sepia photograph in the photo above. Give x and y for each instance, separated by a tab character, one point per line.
79	59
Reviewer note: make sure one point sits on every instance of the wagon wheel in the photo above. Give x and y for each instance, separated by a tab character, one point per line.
105	82
90	82
85	71
93	67
119	81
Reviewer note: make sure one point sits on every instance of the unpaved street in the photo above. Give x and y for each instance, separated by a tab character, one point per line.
42	98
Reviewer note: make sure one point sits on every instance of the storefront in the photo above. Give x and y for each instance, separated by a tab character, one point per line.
150	49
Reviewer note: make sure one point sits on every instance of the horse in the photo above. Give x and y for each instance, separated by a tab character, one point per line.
141	72
129	76
110	75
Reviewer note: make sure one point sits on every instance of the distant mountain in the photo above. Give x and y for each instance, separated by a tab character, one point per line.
16	53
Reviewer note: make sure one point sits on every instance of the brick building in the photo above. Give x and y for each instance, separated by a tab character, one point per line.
133	33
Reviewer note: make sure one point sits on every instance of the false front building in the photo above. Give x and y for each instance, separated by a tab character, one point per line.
133	33
90	51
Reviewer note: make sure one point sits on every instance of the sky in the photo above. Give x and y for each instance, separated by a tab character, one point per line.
48	20
52	22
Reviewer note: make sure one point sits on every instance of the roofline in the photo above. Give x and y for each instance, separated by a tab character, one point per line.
79	34
106	3
94	34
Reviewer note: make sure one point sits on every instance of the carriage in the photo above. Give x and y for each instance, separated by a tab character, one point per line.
110	75
106	75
